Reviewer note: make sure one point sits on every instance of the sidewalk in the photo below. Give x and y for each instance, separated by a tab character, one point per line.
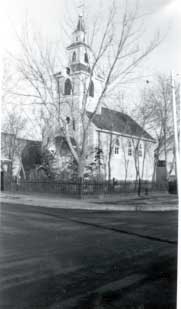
122	202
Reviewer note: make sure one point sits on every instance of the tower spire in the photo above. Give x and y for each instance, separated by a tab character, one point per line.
80	24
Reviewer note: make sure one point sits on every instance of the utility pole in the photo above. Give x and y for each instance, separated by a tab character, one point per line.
178	165
177	152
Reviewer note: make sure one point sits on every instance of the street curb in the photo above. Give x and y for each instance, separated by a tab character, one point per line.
88	205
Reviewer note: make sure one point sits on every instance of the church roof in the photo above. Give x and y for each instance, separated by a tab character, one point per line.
114	121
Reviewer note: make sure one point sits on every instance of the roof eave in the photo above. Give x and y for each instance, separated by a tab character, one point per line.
77	44
125	135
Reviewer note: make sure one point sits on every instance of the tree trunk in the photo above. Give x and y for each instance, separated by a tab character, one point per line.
126	171
109	170
81	166
154	172
155	166
109	161
143	163
138	178
165	151
139	186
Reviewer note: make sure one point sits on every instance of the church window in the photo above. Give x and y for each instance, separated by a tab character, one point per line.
68	71
86	60
116	150
91	89
67	87
140	150
117	142
73	124
74	57
129	148
68	119
129	152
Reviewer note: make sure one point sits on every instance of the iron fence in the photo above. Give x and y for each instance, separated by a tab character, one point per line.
86	188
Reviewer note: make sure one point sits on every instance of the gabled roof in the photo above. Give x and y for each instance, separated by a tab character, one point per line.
114	121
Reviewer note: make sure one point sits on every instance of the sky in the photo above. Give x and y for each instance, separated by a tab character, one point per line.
50	16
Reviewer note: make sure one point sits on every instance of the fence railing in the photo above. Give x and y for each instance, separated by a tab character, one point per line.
85	188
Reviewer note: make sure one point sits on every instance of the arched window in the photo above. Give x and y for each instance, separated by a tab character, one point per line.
91	89
129	148
140	150
117	146
67	87
129	144
86	60
116	150
68	71
74	57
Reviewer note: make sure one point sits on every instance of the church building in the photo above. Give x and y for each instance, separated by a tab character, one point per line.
124	148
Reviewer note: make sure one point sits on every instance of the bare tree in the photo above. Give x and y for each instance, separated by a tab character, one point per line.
142	144
11	143
126	160
110	152
158	103
117	50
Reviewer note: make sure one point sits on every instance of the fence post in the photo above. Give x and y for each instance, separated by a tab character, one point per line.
139	186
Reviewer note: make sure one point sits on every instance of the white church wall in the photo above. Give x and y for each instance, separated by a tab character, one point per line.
123	164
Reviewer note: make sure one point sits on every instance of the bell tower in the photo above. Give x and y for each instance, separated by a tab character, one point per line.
79	51
75	82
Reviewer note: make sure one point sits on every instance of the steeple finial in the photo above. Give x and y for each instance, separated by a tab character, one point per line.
81	7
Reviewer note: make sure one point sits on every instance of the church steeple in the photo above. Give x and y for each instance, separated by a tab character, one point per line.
79	51
79	33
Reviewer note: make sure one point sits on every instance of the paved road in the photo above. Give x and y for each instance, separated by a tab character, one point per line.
55	258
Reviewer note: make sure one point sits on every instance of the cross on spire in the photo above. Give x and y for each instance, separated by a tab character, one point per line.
81	7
